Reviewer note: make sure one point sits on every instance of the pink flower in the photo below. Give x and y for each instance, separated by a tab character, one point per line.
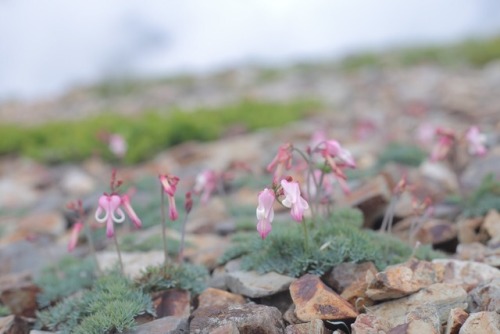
476	141
283	160
75	232
110	205
446	140
293	200
117	145
130	211
169	185
206	182
265	212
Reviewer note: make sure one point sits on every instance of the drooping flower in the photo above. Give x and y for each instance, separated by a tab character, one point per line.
110	205
476	141
169	185
206	183
445	141
294	200
265	212
130	211
188	203
282	160
75	232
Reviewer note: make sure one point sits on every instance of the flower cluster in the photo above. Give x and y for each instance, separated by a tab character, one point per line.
169	185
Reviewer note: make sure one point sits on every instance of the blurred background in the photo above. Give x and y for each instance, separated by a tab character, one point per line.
51	46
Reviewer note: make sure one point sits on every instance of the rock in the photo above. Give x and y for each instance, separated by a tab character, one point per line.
485	296
204	220
480	253
491	224
440	174
248	318
342	275
206	249
428	232
172	302
133	263
368	323
13	324
455	320
254	285
290	317
403	279
216	297
18	293
481	322
218	279
75	182
50	223
371	198
315	300
229	328
467	231
414	327
314	327
478	169
468	274
165	325
440	296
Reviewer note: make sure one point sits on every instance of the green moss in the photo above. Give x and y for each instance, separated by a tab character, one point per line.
485	198
109	307
147	134
185	276
4	311
404	154
338	239
69	276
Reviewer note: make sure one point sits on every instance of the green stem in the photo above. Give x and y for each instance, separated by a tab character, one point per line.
306	236
119	254
163	225
180	256
88	233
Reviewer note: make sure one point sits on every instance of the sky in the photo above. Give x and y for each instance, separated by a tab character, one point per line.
50	46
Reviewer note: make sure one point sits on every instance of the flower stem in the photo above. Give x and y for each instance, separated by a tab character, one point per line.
163	223
88	233
119	254
180	255
306	236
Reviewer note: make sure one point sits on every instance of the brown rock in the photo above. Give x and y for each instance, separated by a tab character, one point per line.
18	293
455	320
216	297
429	232
229	328
481	322
13	324
371	198
254	285
368	323
206	249
468	231
491	224
480	253
341	276
485	296
248	318
290	317
468	274
172	302
414	327
314	300
314	327
439	296
403	279
51	223
165	325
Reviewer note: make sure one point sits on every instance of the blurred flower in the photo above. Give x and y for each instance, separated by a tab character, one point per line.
282	160
265	212
117	145
206	182
293	199
109	204
425	133
476	141
445	141
75	232
169	185
130	211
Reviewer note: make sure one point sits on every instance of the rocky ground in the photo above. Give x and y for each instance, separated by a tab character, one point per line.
365	110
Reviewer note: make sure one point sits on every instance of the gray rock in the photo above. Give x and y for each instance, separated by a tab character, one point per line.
248	318
254	285
481	322
443	297
466	273
485	297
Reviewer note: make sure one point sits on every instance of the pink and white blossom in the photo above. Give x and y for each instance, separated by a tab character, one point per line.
206	184
75	232
476	141
282	161
294	200
117	145
445	141
110	206
265	212
130	211
169	185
